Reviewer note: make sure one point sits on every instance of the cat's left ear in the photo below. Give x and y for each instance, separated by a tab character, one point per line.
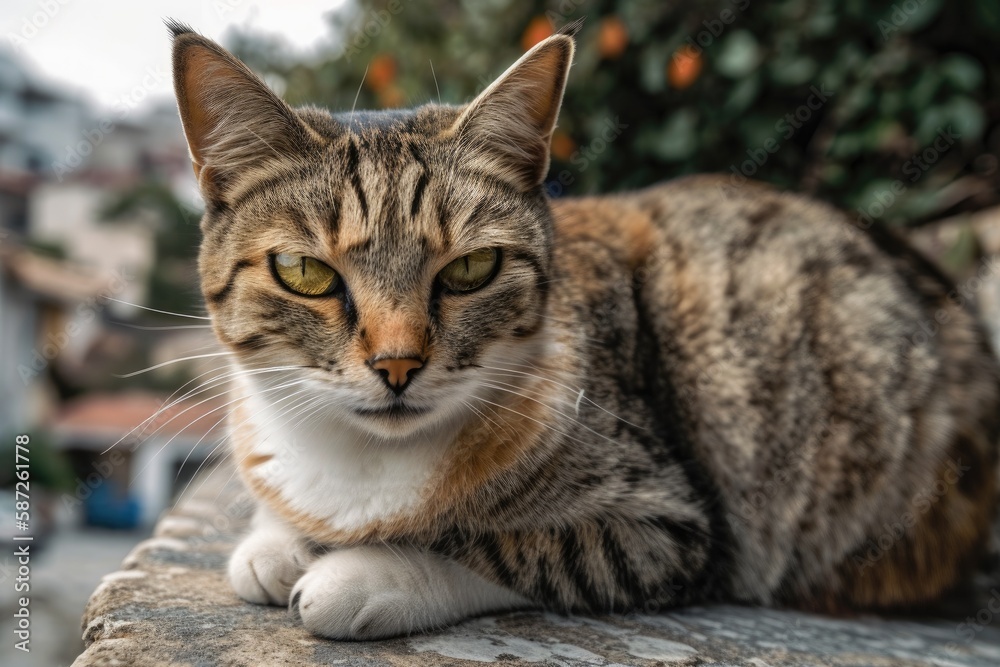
509	126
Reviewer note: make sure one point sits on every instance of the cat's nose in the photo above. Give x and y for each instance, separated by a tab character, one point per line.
396	372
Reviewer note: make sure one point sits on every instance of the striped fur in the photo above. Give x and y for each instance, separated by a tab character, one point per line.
687	393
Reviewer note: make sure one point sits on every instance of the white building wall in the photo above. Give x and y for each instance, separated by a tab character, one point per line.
68	214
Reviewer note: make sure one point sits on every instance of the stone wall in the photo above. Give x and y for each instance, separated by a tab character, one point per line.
170	604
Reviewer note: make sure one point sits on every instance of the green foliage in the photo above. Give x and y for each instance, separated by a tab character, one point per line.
52	249
892	75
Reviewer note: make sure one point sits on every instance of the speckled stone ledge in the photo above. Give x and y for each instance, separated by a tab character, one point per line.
170	604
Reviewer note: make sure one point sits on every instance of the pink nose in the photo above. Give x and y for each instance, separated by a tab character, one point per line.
396	372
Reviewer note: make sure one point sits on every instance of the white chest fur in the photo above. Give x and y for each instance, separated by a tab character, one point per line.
330	470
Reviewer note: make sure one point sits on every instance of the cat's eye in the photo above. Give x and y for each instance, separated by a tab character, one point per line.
304	275
471	271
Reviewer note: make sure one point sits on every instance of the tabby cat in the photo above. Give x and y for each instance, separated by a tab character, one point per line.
455	396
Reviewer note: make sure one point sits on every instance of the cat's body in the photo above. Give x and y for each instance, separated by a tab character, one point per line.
686	393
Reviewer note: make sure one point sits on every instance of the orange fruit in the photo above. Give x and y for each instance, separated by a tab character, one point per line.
537	30
684	68
562	146
612	37
381	72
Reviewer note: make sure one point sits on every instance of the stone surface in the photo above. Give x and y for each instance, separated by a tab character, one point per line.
63	576
170	604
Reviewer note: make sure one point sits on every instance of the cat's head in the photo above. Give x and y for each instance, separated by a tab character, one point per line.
390	257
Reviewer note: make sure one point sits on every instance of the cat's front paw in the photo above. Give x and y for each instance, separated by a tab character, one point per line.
378	592
357	594
265	566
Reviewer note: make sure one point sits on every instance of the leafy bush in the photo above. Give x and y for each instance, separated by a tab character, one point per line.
841	99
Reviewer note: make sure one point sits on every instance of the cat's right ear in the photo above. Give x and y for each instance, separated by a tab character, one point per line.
234	125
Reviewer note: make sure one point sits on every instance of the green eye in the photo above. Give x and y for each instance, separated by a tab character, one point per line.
304	275
471	271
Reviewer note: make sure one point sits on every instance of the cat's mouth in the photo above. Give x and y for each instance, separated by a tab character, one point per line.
393	411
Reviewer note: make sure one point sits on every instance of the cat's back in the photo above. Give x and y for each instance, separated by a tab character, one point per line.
768	266
769	298
720	253
823	372
755	251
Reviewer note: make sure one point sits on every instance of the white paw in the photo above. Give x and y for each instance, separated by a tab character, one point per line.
265	566
356	594
379	592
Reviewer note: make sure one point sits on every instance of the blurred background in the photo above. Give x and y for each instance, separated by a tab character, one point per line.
889	110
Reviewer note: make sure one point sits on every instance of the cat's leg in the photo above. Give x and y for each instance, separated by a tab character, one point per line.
374	592
646	563
268	561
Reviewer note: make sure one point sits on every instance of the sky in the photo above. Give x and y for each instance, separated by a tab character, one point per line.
117	50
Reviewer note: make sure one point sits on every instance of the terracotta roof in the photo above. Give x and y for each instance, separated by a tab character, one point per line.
97	416
18	183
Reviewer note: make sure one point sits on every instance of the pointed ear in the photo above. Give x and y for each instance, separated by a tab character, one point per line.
234	124
509	126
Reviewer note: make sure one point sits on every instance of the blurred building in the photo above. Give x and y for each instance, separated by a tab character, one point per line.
48	317
37	122
67	262
131	454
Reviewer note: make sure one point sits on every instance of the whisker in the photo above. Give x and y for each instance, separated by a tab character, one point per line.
172	361
554	409
575	390
145	328
218	379
227	438
200	417
350	122
436	86
262	140
180	468
537	421
167	404
156	414
154	310
310	403
487	419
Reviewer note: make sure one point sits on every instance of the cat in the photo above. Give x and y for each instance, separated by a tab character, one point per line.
453	396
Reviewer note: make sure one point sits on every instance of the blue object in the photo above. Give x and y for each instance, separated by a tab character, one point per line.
110	506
